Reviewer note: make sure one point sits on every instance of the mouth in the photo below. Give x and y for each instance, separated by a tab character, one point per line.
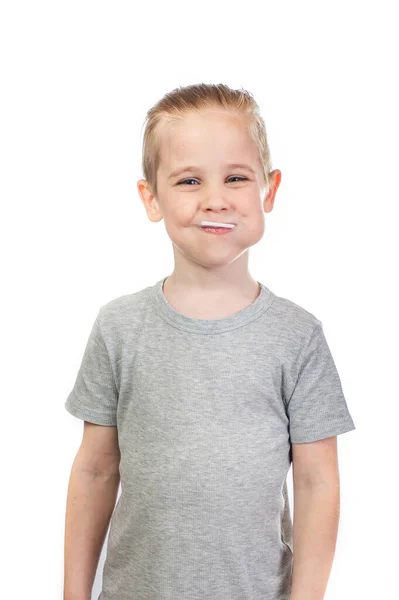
217	228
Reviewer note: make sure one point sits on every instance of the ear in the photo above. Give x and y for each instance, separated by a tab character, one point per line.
275	179
149	200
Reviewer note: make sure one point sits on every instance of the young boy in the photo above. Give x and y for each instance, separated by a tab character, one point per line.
199	391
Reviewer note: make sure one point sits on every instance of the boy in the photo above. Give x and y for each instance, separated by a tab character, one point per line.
199	391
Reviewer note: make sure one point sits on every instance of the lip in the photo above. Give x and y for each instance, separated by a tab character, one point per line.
217	230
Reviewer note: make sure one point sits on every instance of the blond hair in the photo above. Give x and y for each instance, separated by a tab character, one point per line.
182	100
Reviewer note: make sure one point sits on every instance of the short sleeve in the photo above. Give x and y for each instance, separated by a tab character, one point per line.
317	408
94	396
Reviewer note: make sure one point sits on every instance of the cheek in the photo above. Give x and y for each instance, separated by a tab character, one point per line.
181	212
176	217
256	223
180	223
253	211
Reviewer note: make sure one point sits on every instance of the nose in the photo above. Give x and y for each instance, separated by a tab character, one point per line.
215	202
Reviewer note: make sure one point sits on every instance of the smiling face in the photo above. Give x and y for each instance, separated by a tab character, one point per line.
197	182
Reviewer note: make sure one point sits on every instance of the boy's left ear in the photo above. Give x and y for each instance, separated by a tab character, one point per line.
275	179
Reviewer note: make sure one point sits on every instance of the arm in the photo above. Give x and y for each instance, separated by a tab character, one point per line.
316	516
92	492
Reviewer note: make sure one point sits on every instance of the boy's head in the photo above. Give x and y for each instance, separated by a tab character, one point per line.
208	128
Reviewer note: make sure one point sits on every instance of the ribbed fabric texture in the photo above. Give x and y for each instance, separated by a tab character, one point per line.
206	412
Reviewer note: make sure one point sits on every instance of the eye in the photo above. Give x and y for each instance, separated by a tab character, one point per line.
237	177
232	177
184	181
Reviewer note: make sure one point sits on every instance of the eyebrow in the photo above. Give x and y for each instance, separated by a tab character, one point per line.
193	168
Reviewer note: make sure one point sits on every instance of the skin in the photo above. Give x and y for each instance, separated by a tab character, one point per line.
210	277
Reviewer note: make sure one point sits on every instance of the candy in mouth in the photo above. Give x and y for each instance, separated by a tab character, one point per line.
216	225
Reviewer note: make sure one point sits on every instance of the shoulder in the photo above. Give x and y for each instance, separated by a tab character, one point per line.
294	323
124	311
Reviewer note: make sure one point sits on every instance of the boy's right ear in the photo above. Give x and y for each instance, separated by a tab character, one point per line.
149	200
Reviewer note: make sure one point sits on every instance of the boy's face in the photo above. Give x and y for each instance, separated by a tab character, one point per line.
210	190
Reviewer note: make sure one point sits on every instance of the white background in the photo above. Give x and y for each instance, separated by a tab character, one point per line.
77	79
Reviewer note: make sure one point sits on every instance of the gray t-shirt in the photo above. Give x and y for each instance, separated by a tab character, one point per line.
206	412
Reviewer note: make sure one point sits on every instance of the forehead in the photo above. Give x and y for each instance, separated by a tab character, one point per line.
204	138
